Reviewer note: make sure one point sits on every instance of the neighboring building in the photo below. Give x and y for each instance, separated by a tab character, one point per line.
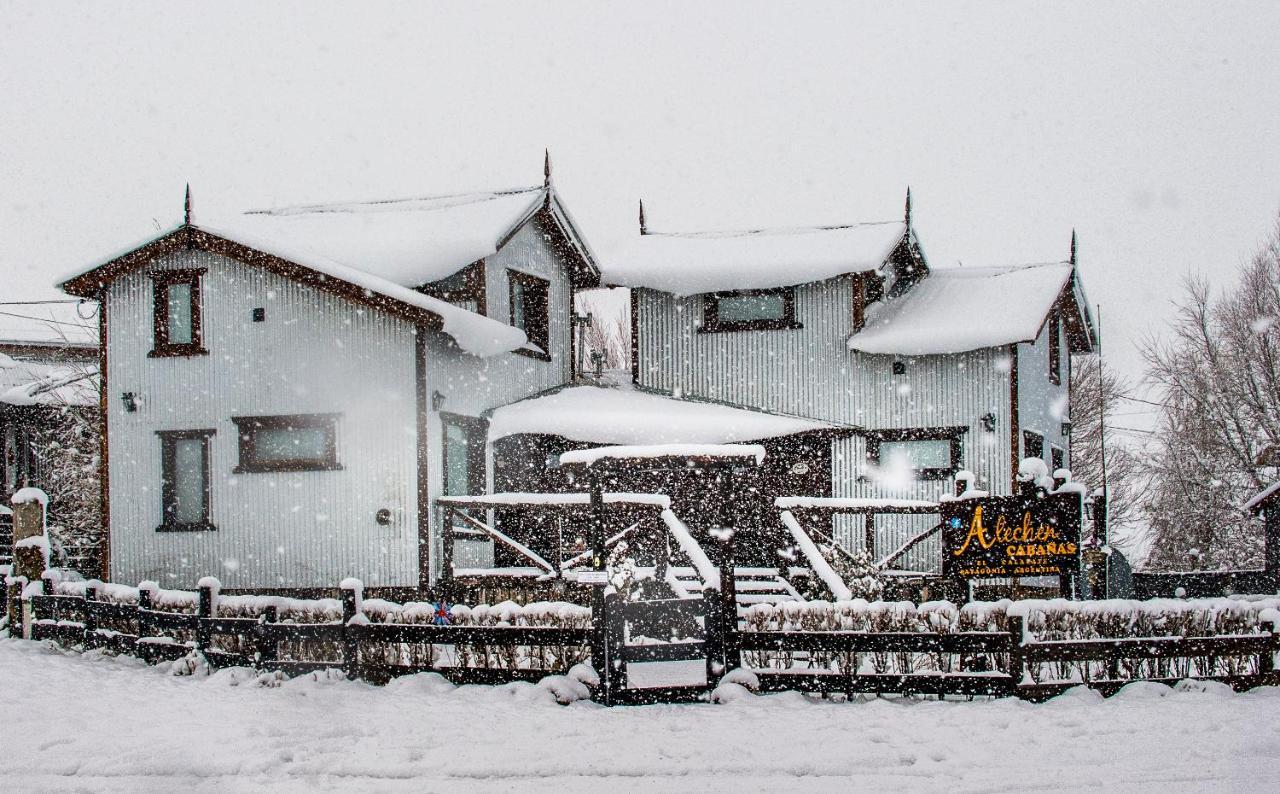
286	393
48	421
939	369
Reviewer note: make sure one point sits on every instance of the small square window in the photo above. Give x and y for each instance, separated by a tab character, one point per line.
1058	457
750	310
176	313
300	442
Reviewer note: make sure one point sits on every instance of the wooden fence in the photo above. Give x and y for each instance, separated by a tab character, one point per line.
987	663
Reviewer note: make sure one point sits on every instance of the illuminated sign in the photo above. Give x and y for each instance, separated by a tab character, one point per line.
1036	535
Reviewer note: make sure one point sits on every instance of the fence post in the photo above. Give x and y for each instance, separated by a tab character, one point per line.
713	639
204	614
1016	626
1267	659
600	615
144	622
350	645
266	647
90	619
615	640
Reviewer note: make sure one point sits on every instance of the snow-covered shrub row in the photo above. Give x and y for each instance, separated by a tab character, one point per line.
1045	620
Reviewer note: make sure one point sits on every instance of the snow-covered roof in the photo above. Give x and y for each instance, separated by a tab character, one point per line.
958	309
599	415
409	242
474	333
694	263
653	451
38	382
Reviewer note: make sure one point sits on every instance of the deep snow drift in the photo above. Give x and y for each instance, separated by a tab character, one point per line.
97	723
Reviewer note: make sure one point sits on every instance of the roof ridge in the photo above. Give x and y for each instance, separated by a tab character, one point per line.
779	230
458	199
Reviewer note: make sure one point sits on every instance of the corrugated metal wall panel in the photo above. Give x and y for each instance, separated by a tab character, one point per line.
811	372
315	353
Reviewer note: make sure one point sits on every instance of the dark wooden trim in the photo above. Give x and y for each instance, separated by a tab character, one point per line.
248	426
421	406
477	430
859	301
88	284
161	280
539	331
1055	348
953	434
1014	422
104	448
711	323
1027	436
473	287
167	524
50	351
583	272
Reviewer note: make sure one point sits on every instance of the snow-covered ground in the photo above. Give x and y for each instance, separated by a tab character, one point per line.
90	723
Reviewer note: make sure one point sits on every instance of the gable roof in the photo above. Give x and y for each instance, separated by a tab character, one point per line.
412	241
473	332
600	415
958	309
700	262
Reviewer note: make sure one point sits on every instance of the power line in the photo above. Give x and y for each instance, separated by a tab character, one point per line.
1139	400
1133	430
40	303
44	320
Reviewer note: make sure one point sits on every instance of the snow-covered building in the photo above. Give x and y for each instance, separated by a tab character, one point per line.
937	369
287	392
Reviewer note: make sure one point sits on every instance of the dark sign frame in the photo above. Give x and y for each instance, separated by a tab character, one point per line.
1031	534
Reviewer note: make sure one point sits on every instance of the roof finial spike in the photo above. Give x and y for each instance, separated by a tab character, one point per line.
644	227
186	207
546	169
908	213
1073	246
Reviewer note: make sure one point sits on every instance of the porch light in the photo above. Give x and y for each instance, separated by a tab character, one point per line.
130	401
988	422
1066	428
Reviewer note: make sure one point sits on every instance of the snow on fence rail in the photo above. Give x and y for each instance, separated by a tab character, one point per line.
1031	649
374	639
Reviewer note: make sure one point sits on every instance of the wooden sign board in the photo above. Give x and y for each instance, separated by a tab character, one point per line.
1027	535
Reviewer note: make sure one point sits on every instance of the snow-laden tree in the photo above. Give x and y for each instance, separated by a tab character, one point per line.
1219	369
67	450
1096	393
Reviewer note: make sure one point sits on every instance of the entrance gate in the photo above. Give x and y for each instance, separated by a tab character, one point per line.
662	651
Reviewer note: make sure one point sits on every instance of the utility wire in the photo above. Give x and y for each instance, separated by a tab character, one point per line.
43	320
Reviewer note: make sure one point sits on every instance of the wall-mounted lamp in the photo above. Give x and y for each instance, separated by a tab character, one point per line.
382	517
899	368
1066	428
437	401
130	401
988	422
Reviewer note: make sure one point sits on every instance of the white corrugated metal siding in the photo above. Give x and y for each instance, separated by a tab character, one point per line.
811	372
315	353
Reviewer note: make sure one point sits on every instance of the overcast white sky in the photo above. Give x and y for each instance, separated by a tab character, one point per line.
1150	128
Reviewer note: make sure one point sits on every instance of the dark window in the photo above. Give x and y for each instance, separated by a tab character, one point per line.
464	438
1032	445
1059	458
933	453
19	460
464	289
1055	349
530	306
301	442
750	310
176	313
184	480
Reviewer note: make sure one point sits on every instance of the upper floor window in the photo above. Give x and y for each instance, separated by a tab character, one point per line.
1058	458
1032	444
300	442
750	310
1055	349
932	453
530	310
184	480
176	313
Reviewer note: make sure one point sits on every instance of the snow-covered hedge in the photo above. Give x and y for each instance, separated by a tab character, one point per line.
1045	620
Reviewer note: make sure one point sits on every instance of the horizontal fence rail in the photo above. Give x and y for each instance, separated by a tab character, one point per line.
624	633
